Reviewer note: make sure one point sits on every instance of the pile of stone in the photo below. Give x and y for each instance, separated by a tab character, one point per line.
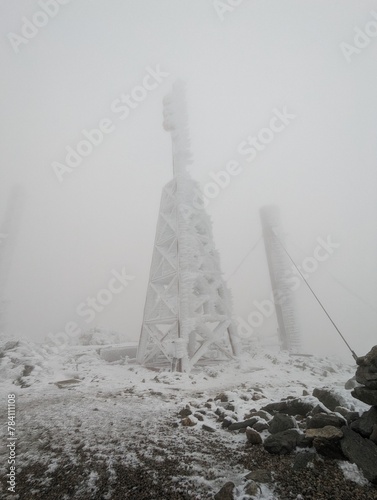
331	429
366	375
321	424
327	428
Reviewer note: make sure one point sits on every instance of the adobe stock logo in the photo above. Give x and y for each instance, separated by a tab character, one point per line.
31	27
121	107
224	6
250	148
264	309
361	39
91	306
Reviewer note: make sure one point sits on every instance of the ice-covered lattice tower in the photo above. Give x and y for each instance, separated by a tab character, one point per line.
187	314
280	269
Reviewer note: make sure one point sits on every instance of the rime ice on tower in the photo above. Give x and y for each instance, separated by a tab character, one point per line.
280	269
187	314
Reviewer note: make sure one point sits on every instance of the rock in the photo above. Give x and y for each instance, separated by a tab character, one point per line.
220	412
27	370
261	413
324	419
189	421
230	407
185	412
281	422
351	383
290	407
304	441
366	373
226	492
368	396
10	344
260	426
329	449
328	397
373	436
227	422
302	460
67	383
199	416
282	443
222	397
361	451
245	423
208	428
364	424
260	476
326	441
350	416
253	437
369	359
257	396
329	432
319	409
366	377
252	488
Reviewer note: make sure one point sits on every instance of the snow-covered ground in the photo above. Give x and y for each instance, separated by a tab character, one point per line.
115	433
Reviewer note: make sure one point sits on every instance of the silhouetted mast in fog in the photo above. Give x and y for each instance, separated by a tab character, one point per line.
279	268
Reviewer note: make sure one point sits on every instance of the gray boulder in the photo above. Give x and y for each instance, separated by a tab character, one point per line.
361	451
261	425
365	376
364	424
252	488
185	412
253	437
290	407
369	359
329	432
326	441
227	422
373	436
350	416
226	492
328	397
260	476
242	425
366	373
351	383
281	422
368	396
282	443
260	413
324	419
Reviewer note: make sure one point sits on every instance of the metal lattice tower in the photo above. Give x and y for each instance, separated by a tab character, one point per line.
187	314
280	268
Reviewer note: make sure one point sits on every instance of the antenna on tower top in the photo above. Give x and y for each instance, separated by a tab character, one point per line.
176	122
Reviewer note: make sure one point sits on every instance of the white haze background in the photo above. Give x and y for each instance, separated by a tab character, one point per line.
321	170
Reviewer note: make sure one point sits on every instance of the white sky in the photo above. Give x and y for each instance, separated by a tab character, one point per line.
265	54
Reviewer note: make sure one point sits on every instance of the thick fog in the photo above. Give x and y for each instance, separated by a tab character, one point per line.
280	95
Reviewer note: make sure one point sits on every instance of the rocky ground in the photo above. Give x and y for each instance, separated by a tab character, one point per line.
123	432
